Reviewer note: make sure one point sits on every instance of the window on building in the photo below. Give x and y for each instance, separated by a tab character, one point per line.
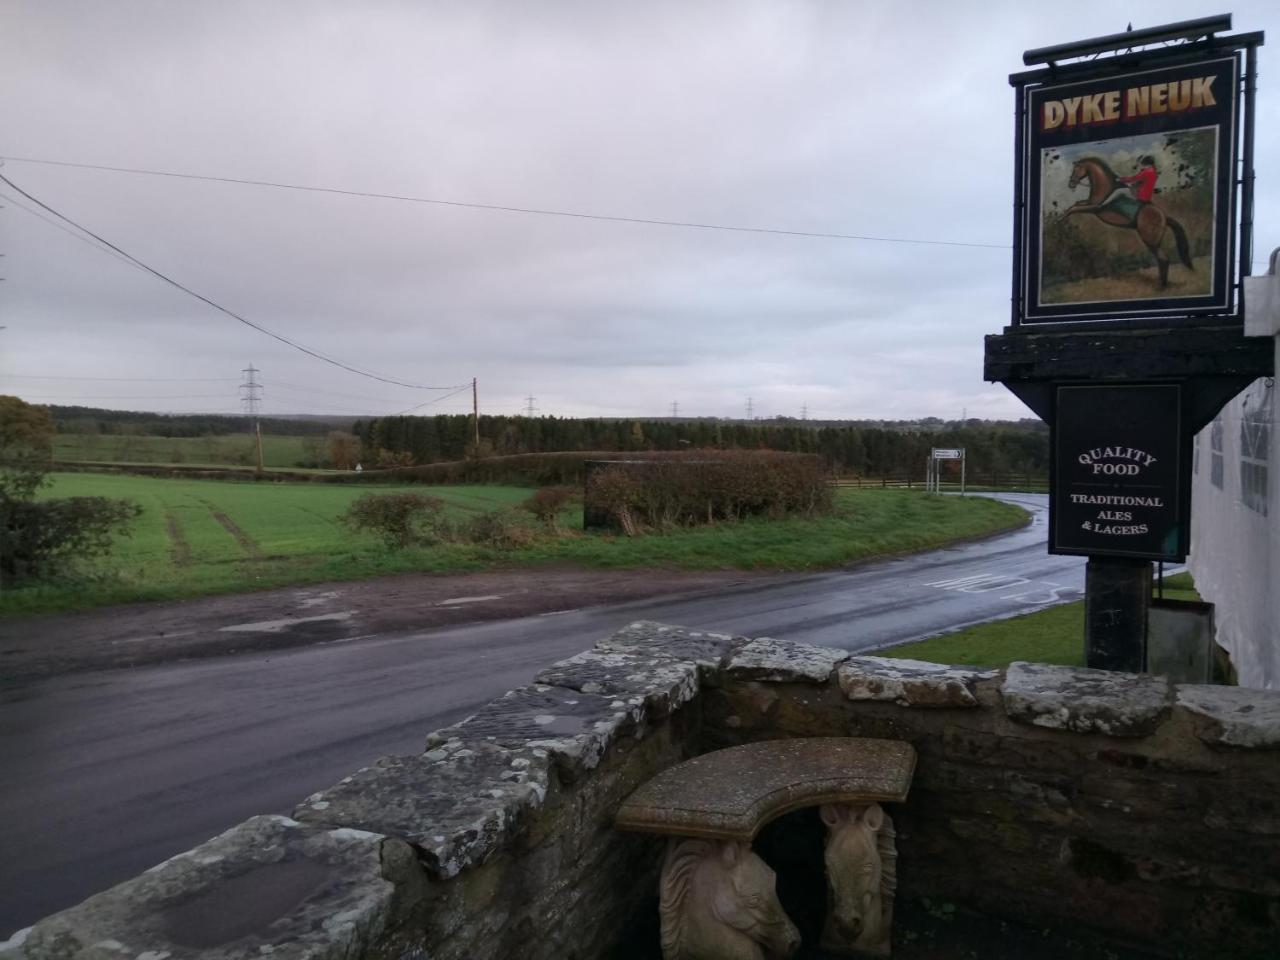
1215	453
1255	452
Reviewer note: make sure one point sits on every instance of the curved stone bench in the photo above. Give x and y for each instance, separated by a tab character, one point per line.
716	896
730	794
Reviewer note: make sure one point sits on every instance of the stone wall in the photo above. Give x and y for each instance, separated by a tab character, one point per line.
1145	811
1043	794
496	841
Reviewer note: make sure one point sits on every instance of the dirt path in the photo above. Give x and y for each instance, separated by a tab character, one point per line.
151	633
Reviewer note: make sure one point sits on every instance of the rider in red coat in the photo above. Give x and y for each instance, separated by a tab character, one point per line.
1144	181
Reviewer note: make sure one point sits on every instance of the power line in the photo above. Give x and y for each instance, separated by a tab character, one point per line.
217	306
465	387
538	211
71	233
280	385
183	396
504	208
24	376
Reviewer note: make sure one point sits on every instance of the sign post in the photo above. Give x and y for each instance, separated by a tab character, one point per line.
1132	235
935	472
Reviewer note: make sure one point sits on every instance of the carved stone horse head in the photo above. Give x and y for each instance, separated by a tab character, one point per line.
718	903
861	877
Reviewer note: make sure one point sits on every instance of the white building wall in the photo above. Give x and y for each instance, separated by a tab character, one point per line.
1235	510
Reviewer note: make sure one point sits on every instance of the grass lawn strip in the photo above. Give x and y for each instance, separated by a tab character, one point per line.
298	540
1055	635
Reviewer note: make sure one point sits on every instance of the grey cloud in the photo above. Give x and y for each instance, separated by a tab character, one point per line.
873	118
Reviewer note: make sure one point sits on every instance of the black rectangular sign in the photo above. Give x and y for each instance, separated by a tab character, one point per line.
1128	187
1119	483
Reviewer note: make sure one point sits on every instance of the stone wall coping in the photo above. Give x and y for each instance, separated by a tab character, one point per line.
1083	700
664	684
574	728
710	651
1233	716
911	683
458	804
269	885
783	661
730	794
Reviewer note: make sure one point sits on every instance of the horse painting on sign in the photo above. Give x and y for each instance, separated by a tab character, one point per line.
1111	203
1128	219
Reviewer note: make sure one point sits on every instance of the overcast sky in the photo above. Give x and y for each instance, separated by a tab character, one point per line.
885	119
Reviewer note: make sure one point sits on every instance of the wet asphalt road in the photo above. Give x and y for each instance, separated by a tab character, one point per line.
105	774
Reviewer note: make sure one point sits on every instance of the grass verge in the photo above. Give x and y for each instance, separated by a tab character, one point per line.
202	537
1055	635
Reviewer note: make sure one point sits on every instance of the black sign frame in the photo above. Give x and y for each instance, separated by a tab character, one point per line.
1115	507
1232	249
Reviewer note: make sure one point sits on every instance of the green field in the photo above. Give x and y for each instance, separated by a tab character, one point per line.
227	450
198	537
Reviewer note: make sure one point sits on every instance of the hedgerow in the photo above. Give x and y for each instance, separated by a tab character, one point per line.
638	495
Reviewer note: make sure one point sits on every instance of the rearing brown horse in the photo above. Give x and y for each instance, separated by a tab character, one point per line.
1127	212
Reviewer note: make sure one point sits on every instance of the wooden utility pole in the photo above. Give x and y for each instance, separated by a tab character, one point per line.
475	409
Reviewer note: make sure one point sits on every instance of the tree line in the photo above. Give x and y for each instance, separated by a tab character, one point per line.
96	421
1020	447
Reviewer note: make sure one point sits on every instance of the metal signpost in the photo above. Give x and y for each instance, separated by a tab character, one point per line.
933	477
1133	215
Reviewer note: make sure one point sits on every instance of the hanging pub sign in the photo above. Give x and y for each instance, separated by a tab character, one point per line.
1120	483
1128	193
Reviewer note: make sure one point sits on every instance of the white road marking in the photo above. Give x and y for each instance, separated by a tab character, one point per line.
1032	592
979	583
275	626
1051	595
455	601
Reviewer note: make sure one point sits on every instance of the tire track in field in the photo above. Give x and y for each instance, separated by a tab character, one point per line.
331	521
247	543
179	547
